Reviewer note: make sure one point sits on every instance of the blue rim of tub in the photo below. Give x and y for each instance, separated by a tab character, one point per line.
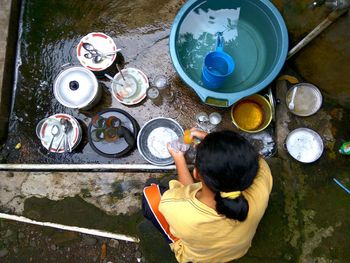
206	94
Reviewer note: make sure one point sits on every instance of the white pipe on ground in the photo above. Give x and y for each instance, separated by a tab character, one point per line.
86	167
89	167
88	231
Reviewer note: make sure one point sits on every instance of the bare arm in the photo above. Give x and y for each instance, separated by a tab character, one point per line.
198	133
184	175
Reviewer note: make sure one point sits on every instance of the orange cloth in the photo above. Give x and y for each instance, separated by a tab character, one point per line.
152	195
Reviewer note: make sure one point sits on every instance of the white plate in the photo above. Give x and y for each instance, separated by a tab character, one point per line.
142	86
102	43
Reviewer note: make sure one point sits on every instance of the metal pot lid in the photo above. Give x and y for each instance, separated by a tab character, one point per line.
75	87
307	100
304	145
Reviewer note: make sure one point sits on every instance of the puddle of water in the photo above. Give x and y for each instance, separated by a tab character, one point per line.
243	42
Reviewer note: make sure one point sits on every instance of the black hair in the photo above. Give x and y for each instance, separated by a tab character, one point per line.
227	162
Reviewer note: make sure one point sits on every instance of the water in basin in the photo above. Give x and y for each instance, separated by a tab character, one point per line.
243	42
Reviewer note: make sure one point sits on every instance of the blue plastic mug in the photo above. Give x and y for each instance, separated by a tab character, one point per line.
218	65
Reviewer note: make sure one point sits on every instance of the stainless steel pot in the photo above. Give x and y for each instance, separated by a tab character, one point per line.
304	145
77	87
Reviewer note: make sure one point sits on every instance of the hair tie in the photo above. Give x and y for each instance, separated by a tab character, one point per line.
230	195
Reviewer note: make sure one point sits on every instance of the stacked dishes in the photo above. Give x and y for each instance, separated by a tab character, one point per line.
53	135
112	133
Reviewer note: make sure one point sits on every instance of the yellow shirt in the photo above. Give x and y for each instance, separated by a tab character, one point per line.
206	236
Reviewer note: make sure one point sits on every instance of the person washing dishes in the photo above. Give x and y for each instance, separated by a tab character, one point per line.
212	215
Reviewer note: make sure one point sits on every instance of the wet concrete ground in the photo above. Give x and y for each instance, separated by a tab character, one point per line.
306	221
307	218
42	56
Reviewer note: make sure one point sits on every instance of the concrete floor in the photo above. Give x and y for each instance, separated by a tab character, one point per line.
307	218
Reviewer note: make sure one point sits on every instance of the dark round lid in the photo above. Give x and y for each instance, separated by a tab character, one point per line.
126	133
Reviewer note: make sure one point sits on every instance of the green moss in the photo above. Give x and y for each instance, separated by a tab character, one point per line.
120	187
85	193
76	212
153	244
117	189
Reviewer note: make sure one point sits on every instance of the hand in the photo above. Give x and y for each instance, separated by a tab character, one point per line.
198	133
184	175
175	154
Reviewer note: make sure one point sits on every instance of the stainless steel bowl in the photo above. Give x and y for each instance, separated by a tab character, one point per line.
307	101
153	138
304	145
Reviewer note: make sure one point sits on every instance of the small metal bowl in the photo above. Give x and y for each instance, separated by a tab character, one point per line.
265	108
307	101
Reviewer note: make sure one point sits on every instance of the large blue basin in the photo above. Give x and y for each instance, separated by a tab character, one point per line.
255	36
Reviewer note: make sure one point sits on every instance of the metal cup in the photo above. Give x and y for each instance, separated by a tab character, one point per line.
113	122
215	118
111	135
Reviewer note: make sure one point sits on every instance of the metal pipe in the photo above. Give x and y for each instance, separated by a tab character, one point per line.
83	230
317	30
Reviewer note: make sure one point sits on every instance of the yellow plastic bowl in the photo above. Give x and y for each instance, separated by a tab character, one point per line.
254	120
